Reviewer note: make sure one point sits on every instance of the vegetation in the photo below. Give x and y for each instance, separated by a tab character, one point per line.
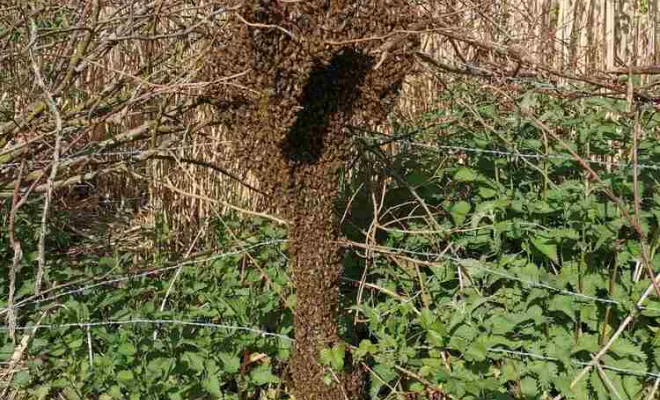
481	261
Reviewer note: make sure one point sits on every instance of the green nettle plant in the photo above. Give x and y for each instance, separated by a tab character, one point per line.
514	274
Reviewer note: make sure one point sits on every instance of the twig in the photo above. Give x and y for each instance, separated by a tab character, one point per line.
224	203
41	256
266	26
90	353
19	350
341	387
18	254
174	278
607	381
624	324
654	389
384	291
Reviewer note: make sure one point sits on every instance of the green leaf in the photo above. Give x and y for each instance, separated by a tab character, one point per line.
366	347
459	211
159	366
76	343
465	175
587	342
529	387
624	347
43	391
21	379
563	304
6	351
477	350
194	361
262	375
486	192
124	376
127	349
231	363
381	375
211	384
70	393
333	357
546	247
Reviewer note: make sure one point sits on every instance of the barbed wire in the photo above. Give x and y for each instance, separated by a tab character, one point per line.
473	263
576	362
502	153
138	321
263	333
469	263
141	275
133	153
474	150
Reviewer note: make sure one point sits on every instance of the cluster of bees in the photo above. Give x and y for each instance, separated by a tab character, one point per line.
302	72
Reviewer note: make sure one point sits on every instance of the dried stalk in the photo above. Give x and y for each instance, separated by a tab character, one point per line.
41	252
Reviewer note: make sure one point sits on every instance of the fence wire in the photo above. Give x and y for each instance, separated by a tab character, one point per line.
262	333
436	147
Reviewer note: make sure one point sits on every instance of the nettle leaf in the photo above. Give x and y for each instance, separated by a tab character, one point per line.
627	387
466	175
159	366
459	212
487	192
366	347
546	372
541	207
124	376
592	283
263	375
477	350
127	349
529	387
194	361
652	309
231	363
561	344
546	247
563	304
587	342
427	318
21	379
334	357
435	338
624	347
535	313
598	386
6	351
381	375
501	324
579	391
529	272
211	383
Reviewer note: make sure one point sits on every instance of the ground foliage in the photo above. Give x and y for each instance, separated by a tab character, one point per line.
500	297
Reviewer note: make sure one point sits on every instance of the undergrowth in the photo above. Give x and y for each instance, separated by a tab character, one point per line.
495	269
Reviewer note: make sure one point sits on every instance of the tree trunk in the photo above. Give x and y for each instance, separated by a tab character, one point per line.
316	271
